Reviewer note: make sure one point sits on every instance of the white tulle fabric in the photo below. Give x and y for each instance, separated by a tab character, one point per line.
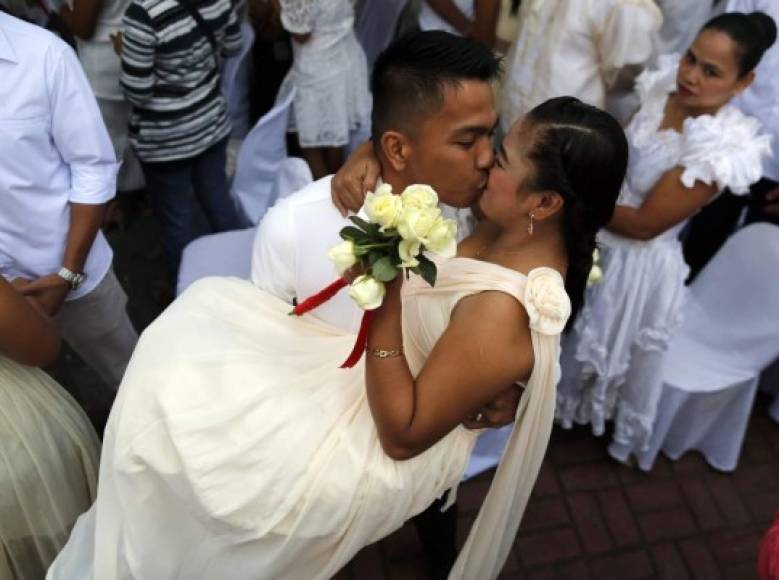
48	469
238	449
329	71
611	360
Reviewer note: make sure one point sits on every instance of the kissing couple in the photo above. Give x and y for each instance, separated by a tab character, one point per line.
237	448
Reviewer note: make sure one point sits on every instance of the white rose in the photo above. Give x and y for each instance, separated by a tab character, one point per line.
415	223
383	207
408	251
419	197
367	292
442	238
546	301
343	256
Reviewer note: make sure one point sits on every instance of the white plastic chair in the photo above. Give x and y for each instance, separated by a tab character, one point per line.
236	80
293	174
222	254
375	26
729	334
261	154
230	253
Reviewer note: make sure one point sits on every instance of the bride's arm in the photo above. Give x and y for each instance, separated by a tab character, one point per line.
486	346
667	204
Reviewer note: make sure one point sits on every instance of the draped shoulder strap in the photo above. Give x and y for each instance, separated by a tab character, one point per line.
495	528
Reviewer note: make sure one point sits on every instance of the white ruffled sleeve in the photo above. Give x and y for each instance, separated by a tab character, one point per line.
626	37
658	81
726	149
297	16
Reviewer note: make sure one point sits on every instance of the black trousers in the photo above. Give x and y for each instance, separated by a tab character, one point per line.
437	531
715	223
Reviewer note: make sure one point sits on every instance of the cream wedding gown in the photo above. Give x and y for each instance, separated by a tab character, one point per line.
48	469
238	449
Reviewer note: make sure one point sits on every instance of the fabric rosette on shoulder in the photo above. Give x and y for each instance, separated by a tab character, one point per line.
546	301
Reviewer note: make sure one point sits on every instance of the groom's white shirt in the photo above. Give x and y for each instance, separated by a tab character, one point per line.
289	257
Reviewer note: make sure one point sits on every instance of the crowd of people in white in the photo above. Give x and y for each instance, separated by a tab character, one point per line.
628	138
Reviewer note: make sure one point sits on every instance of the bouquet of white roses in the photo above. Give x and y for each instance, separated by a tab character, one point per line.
399	229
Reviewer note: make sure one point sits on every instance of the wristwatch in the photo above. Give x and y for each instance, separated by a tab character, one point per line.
75	279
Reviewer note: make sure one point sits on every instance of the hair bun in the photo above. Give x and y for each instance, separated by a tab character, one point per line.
767	27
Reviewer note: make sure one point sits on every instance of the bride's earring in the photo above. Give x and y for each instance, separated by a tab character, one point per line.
530	226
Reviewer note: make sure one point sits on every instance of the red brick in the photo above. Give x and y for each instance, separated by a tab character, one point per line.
547	547
728	499
756	450
583	449
576	570
653	495
702	504
667	524
546	483
544	513
669	562
734	546
745	571
700	559
691	464
764	506
631	565
590	523
589	477
757	479
619	518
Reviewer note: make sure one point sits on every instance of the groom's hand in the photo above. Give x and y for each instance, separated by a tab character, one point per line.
357	177
498	413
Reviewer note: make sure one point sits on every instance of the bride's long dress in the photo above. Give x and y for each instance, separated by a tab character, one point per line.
238	449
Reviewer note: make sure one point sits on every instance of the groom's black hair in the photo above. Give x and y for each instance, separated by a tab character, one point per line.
410	76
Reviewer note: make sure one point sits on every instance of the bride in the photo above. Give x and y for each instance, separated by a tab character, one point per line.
238	449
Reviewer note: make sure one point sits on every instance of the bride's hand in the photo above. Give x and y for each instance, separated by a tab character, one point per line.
498	413
357	177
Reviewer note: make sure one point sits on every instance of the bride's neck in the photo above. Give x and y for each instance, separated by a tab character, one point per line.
519	249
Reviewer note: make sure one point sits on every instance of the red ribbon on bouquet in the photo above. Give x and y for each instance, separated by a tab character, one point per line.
323	296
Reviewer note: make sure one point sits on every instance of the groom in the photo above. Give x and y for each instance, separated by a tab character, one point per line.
433	119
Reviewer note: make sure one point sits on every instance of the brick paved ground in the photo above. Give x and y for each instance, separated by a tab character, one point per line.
589	517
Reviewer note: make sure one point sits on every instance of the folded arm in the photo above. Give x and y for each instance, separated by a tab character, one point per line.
668	204
486	346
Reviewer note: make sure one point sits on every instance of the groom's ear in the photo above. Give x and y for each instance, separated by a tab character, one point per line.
396	148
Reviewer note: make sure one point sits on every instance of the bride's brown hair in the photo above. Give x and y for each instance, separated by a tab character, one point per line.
580	152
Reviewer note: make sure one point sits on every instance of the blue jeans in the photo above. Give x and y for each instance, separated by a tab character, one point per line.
191	199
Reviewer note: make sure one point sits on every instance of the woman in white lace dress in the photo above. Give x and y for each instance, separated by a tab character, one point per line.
331	76
686	144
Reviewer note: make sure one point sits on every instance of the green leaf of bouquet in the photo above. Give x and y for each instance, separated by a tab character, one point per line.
354	234
360	223
374	256
384	270
427	269
390	233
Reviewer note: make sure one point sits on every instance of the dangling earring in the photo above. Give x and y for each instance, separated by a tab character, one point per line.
530	226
